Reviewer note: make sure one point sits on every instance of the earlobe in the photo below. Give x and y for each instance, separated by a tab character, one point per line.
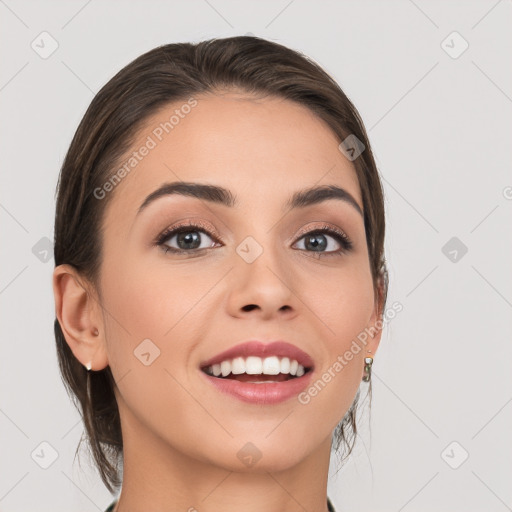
79	315
377	319
375	335
374	329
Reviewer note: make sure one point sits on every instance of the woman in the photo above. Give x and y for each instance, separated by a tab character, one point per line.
220	277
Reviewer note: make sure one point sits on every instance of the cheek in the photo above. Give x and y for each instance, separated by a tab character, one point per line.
344	303
149	299
345	306
156	303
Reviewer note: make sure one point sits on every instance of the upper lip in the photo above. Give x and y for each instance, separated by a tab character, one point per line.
259	349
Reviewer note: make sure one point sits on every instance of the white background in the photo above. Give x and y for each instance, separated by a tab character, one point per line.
441	130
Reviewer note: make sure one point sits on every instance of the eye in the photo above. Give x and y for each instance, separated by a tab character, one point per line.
194	237
186	238
325	241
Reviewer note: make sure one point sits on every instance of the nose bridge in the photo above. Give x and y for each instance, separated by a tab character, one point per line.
262	276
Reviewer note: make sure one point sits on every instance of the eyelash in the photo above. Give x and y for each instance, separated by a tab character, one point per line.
338	235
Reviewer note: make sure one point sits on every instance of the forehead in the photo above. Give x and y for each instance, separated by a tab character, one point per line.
263	149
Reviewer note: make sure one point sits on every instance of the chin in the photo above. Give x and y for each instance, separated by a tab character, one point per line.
264	455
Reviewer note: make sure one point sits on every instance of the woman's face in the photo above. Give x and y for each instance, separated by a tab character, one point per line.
249	272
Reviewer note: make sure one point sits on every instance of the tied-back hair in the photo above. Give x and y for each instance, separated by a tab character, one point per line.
164	75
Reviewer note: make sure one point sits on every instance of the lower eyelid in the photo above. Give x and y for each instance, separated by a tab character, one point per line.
166	237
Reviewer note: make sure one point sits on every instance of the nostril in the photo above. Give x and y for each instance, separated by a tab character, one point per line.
249	307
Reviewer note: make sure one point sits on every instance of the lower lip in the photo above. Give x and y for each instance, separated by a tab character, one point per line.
265	393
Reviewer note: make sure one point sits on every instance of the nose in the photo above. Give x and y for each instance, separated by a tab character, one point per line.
262	288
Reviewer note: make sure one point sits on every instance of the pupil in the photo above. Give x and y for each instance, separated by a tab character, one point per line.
318	241
188	238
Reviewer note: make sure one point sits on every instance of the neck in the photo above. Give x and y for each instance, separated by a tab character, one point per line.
161	478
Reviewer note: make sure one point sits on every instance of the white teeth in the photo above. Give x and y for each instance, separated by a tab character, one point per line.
216	370
225	368
238	366
253	365
271	366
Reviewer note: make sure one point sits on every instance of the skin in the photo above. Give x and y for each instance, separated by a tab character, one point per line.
181	436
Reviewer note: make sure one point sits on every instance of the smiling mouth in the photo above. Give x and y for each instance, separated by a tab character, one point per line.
275	374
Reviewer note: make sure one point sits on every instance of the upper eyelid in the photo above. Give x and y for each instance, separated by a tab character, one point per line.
168	232
323	227
209	230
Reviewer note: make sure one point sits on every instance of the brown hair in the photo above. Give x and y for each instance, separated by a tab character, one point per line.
166	74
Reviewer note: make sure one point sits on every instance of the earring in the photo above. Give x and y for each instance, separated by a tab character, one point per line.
88	387
368	361
88	366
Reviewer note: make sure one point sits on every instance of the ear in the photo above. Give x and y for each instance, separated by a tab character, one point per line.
376	322
79	314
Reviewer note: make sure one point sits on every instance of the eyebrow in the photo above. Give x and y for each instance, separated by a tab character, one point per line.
223	196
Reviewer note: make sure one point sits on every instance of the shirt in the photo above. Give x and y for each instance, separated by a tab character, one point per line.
113	504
